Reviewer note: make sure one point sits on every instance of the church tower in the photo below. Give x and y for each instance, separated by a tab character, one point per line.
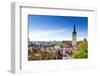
74	37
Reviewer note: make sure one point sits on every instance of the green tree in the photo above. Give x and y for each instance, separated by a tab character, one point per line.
63	45
82	51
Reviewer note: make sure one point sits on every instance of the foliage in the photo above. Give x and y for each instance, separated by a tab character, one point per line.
63	45
43	55
82	51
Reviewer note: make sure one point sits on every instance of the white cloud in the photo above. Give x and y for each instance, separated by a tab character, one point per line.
46	34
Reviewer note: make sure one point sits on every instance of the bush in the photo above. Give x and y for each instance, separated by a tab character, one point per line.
82	51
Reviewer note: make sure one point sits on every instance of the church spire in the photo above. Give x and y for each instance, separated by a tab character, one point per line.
74	37
74	29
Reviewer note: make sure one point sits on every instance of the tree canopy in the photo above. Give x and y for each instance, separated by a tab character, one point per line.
82	51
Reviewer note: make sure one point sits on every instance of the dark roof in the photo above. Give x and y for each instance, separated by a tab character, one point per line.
74	29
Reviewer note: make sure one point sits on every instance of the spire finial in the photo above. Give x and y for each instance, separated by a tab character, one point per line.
74	29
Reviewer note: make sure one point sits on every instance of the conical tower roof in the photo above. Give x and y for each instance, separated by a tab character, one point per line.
74	29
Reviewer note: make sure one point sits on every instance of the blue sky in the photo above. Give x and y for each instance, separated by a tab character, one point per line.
50	28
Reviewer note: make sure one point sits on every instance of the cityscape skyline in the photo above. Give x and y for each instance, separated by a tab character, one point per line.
56	28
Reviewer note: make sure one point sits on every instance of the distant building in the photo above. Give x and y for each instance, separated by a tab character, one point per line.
74	37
